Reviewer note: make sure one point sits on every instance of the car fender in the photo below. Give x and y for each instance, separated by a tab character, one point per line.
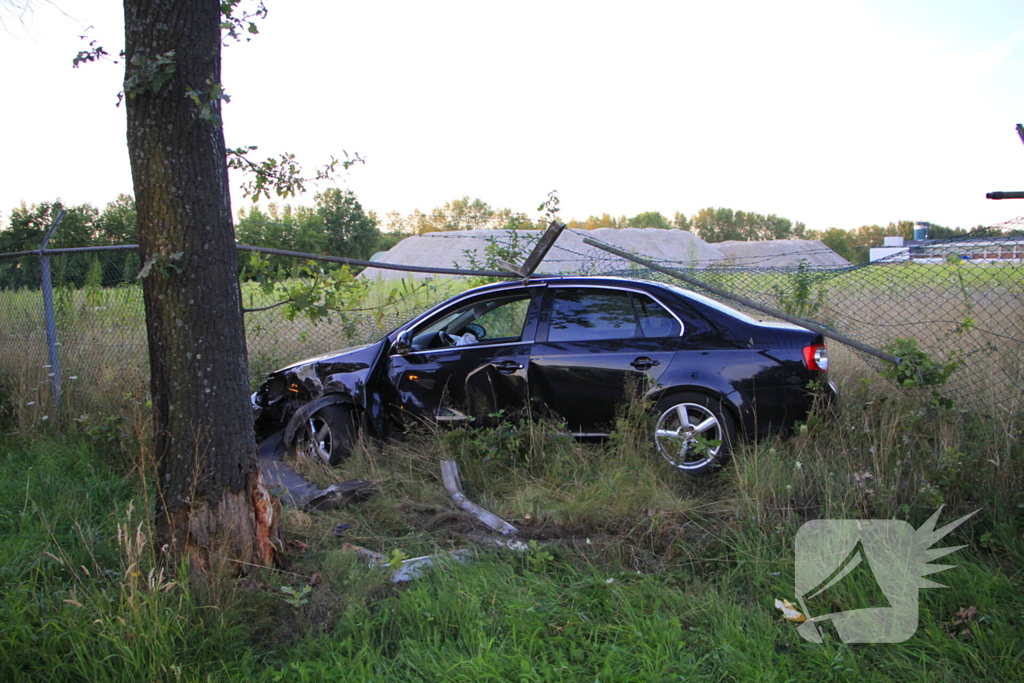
738	405
306	411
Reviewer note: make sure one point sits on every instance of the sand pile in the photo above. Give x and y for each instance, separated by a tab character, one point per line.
568	256
779	254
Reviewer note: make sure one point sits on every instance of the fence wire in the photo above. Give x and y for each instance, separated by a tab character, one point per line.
960	301
954	309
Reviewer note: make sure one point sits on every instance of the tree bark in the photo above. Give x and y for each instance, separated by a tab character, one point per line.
213	507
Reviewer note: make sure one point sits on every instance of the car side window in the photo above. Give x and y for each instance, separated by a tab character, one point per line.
591	315
655	320
505	320
602	314
499	320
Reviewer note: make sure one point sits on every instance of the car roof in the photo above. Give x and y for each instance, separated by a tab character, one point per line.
611	281
649	286
635	283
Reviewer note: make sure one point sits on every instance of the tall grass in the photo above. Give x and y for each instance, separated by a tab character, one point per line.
83	599
636	573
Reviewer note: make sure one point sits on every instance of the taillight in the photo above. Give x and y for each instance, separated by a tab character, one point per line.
816	357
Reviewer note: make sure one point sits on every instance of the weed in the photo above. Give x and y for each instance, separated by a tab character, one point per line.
296	597
803	296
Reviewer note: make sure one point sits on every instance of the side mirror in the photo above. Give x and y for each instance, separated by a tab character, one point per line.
403	343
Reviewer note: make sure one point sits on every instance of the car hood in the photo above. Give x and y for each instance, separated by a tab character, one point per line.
343	372
350	359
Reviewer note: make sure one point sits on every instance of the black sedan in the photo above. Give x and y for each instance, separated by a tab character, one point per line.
570	347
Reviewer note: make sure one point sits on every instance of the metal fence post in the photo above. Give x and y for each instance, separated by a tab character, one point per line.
48	312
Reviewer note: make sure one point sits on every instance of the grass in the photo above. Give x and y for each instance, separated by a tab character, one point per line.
81	599
635	573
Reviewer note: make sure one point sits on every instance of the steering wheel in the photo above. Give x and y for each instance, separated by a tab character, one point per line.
445	338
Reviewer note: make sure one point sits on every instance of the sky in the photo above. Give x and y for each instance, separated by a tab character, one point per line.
835	114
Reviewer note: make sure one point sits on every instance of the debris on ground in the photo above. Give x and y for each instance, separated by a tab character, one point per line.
452	484
297	491
790	611
409	569
960	626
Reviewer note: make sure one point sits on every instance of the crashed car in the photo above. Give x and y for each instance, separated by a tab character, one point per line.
574	348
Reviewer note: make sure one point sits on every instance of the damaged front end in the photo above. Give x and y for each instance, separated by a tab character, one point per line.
291	395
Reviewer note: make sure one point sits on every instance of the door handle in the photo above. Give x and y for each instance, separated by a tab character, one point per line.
508	367
644	363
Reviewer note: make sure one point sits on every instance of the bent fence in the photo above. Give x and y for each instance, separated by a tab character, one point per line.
954	309
951	310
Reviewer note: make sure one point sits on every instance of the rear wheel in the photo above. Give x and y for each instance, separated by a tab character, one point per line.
694	432
327	435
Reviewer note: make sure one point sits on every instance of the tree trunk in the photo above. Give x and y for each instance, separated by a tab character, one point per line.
213	507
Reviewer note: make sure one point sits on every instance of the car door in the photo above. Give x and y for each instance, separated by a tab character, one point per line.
449	378
595	345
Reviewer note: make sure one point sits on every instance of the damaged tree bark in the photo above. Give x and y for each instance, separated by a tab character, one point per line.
213	506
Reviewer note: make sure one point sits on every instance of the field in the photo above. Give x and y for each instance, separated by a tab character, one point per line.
632	573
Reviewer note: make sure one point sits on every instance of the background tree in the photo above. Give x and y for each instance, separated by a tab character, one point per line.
459	214
720	225
681	221
716	225
349	230
941	232
839	241
649	219
387	240
337	226
213	507
251	227
25	231
595	222
118	224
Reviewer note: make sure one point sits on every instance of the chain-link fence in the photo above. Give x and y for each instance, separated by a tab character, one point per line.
955	308
98	330
952	310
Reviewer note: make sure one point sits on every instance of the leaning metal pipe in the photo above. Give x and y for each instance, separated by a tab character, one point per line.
378	264
749	303
297	254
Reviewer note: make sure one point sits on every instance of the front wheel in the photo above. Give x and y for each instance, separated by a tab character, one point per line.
327	435
694	432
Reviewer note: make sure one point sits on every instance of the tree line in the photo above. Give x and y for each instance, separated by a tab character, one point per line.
82	226
337	225
711	224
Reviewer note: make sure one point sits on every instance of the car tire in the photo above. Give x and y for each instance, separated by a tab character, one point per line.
329	435
685	420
